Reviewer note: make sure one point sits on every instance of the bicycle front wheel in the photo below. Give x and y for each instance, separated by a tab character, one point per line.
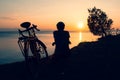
38	50
41	50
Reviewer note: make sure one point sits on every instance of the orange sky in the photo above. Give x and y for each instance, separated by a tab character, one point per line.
46	13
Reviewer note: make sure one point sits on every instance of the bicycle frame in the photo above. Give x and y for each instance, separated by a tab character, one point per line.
32	43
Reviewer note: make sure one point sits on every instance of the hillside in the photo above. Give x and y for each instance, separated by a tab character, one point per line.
99	60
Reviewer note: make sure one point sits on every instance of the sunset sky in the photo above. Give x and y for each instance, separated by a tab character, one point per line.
46	13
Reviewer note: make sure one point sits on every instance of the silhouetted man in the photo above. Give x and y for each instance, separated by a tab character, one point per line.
62	42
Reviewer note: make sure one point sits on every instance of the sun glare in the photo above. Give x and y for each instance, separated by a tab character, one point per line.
80	24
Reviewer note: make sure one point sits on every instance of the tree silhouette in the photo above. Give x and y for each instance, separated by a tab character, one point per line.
98	22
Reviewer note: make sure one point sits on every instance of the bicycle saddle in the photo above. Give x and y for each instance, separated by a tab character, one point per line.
25	24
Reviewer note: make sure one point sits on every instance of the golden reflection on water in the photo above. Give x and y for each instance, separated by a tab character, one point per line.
80	36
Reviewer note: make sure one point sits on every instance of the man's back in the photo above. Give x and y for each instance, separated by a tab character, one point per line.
61	37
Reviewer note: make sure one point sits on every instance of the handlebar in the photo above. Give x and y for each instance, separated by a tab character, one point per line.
27	29
30	30
35	27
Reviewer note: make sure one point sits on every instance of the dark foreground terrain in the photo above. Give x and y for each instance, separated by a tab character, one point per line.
99	60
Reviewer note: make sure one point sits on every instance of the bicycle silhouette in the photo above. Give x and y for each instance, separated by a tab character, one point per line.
31	47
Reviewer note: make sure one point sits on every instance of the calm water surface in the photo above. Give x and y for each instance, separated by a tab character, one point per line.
10	52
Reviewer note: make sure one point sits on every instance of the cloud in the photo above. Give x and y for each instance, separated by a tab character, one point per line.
7	18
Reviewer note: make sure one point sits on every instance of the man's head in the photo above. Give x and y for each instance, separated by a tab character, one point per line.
60	25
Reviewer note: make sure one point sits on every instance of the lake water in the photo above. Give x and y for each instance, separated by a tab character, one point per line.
10	52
